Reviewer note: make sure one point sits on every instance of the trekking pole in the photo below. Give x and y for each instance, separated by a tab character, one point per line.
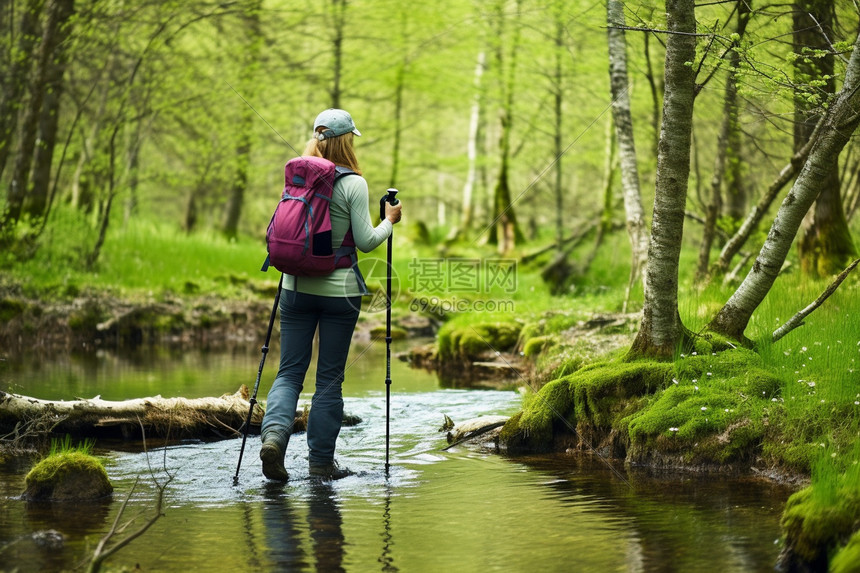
265	349
389	197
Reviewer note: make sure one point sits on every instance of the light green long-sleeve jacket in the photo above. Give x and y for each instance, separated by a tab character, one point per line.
350	205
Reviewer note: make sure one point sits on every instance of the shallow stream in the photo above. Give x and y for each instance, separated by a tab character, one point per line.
464	509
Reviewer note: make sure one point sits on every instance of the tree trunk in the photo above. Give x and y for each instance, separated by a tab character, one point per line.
20	181
236	197
398	121
620	92
507	231
661	330
104	216
754	217
133	171
727	128
16	82
656	93
837	126
338	8
50	113
825	244
605	226
472	150
558	132
736	196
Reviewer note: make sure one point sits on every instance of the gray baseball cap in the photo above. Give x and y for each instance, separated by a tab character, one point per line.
337	121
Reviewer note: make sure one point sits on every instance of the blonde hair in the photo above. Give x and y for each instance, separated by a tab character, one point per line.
339	150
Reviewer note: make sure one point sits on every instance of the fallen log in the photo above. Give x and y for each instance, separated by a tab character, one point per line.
154	417
158	417
471	429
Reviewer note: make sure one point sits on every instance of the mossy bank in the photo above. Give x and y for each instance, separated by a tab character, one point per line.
717	408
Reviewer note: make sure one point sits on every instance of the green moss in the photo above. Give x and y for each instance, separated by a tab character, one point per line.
817	520
397	333
595	395
811	528
467	342
537	345
847	560
711	408
44	479
714	411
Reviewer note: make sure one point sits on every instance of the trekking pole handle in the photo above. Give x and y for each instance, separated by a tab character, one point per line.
390	198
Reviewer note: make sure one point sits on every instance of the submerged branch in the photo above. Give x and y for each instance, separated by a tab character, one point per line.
797	320
102	551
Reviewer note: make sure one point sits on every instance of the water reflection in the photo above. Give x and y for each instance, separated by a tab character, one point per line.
285	527
385	559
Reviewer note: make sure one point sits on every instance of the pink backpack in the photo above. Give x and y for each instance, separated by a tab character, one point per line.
299	234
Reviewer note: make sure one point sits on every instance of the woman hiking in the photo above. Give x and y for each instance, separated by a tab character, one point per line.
330	303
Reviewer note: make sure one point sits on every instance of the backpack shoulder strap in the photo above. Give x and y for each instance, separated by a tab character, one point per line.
340	171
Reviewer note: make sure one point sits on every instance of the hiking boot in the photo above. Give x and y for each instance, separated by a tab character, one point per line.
273	461
328	471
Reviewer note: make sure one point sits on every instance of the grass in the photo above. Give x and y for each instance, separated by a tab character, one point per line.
64	445
141	259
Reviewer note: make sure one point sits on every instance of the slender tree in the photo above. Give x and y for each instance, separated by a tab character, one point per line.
728	127
825	245
338	23
251	30
840	122
466	219
55	43
661	329
10	114
620	91
15	82
506	230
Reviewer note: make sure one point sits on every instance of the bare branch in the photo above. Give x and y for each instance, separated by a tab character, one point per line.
797	320
657	31
100	554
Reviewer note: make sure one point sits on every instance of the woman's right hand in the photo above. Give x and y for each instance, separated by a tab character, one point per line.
392	212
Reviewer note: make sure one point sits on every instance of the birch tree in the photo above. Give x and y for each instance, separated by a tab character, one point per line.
505	230
472	149
661	329
620	92
838	125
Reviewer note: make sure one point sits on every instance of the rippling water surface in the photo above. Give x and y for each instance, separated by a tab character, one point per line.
459	510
